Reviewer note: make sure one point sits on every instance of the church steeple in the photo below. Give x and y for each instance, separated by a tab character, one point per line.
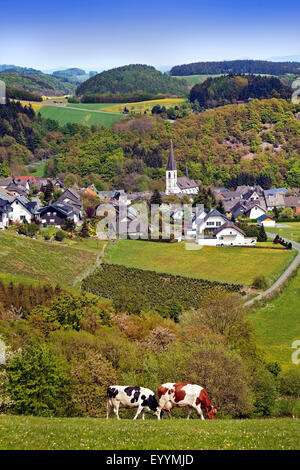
171	165
171	173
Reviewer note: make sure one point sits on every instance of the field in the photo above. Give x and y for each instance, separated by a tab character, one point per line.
290	231
142	106
84	116
193	79
277	324
25	433
232	265
53	262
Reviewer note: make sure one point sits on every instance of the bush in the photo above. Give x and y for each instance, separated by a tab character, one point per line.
290	383
265	393
37	383
288	407
260	282
59	236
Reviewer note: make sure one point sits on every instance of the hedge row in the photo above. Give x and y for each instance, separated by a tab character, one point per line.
157	288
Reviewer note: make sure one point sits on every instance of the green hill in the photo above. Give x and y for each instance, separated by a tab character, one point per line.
132	79
227	89
37	82
236	66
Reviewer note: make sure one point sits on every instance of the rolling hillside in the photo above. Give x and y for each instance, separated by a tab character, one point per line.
37	82
132	79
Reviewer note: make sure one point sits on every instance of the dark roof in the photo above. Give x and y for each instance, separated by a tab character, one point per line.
263	217
62	208
214	213
171	165
183	182
229	225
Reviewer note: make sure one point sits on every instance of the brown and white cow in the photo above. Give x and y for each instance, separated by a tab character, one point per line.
185	394
119	396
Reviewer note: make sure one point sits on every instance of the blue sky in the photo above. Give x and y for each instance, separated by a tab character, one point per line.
97	35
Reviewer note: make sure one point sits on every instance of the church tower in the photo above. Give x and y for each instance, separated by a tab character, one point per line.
171	174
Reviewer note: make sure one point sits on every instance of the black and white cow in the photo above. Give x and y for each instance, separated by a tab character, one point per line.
130	397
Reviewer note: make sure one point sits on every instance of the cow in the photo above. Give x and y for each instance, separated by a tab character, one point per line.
130	397
184	394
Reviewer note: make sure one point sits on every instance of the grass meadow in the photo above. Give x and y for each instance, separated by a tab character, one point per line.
277	324
87	117
26	432
142	106
290	231
22	258
232	265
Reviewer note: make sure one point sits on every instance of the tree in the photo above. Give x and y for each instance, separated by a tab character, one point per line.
262	236
59	236
84	232
37	383
48	191
156	198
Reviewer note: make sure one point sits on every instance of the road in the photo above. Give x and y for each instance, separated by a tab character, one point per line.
284	276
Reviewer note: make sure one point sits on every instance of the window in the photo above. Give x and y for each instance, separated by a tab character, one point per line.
218	224
52	220
48	213
210	223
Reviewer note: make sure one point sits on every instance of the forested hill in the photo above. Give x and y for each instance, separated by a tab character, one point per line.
37	82
132	79
256	143
237	66
228	89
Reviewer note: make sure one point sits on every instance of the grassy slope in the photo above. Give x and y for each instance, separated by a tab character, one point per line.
142	106
277	324
64	115
193	79
20	432
51	262
236	265
291	231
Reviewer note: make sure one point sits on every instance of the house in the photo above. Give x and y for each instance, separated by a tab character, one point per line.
175	185
56	213
293	202
228	234
5	211
22	210
208	223
70	197
4	182
254	211
274	200
266	221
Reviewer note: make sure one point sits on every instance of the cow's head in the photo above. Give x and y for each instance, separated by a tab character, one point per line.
211	412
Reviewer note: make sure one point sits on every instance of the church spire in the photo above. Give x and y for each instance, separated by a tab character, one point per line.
171	165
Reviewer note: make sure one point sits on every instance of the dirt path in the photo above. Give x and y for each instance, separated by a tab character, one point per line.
91	268
284	276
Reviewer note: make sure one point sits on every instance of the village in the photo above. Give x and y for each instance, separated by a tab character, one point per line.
48	202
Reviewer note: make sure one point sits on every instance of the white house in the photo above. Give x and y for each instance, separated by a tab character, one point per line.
226	235
22	210
254	211
175	185
5	212
266	221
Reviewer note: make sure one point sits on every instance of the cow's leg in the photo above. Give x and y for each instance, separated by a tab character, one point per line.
140	408
189	412
116	409
169	414
143	413
199	411
108	408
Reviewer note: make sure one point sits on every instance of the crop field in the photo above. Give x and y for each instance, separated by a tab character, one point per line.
277	324
26	432
232	265
291	230
142	106
87	117
193	79
36	105
46	261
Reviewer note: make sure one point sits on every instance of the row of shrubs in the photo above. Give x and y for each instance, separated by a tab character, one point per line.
278	240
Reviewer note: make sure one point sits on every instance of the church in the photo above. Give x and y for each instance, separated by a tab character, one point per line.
181	185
